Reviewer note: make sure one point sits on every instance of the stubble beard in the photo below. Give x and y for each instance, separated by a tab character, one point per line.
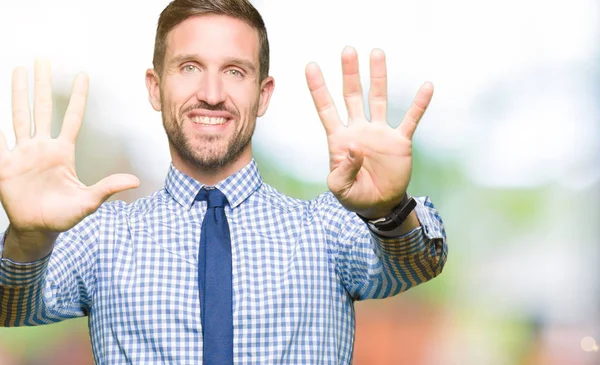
208	154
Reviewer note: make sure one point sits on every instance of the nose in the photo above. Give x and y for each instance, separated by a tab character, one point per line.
211	89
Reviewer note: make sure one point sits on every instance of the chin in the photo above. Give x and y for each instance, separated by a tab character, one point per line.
210	160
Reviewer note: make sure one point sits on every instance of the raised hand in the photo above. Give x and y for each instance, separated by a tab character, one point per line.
370	162
39	188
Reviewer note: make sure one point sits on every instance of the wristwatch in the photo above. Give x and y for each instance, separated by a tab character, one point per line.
396	217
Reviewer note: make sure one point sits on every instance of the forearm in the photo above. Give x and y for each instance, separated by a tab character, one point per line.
409	224
23	247
46	290
400	261
412	259
21	289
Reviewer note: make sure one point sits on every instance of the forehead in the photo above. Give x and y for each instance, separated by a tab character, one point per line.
213	37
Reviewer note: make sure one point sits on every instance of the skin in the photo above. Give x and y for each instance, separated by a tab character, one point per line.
223	82
39	188
370	162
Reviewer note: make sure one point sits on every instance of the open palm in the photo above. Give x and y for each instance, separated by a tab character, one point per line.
370	162
39	188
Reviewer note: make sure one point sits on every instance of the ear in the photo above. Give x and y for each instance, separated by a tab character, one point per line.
266	90
153	86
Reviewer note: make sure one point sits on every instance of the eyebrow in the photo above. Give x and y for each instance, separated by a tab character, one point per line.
235	61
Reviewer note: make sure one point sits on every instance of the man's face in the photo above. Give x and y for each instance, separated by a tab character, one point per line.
209	92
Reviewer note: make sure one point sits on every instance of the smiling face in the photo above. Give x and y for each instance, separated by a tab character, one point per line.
210	94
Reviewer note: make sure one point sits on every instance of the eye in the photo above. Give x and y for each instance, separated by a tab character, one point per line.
235	72
190	69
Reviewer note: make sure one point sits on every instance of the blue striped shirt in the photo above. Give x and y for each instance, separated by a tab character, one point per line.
298	267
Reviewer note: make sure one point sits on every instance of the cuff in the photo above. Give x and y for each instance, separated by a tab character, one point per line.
15	274
414	241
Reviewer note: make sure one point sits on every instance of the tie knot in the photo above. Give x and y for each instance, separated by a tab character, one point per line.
214	197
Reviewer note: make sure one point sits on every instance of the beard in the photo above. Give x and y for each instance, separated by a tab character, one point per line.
211	153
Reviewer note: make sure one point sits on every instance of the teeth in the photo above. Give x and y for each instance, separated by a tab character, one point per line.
208	120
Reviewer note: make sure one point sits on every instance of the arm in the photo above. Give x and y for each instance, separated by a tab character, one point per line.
43	197
56	287
371	266
370	169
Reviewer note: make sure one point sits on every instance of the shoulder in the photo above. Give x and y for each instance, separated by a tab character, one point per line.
110	213
325	204
140	206
266	195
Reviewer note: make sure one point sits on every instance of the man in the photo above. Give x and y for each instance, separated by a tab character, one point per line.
217	267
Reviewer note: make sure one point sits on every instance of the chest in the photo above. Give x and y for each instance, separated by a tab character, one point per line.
280	264
286	295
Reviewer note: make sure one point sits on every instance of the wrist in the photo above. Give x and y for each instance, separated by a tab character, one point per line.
379	212
401	216
25	247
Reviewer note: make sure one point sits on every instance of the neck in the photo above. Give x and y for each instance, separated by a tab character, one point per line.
211	177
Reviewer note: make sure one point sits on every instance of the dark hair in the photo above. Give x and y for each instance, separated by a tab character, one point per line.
179	10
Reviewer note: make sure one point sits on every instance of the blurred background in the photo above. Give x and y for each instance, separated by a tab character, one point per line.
509	153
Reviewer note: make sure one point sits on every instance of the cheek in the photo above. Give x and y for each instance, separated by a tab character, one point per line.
245	98
178	92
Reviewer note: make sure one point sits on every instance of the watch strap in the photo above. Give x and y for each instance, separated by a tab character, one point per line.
395	218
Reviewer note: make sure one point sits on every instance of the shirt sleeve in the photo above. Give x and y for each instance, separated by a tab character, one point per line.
57	287
372	266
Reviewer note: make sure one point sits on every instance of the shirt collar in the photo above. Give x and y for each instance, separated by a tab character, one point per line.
236	188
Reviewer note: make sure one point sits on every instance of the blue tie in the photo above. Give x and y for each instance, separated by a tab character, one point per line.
214	281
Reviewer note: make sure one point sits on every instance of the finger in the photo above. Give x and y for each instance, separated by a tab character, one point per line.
352	88
20	105
341	180
412	117
322	99
42	102
3	145
378	90
112	184
76	109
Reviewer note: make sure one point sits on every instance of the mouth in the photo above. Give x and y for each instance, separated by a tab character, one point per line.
213	118
208	120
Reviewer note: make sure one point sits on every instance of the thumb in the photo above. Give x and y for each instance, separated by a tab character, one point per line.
342	178
113	184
